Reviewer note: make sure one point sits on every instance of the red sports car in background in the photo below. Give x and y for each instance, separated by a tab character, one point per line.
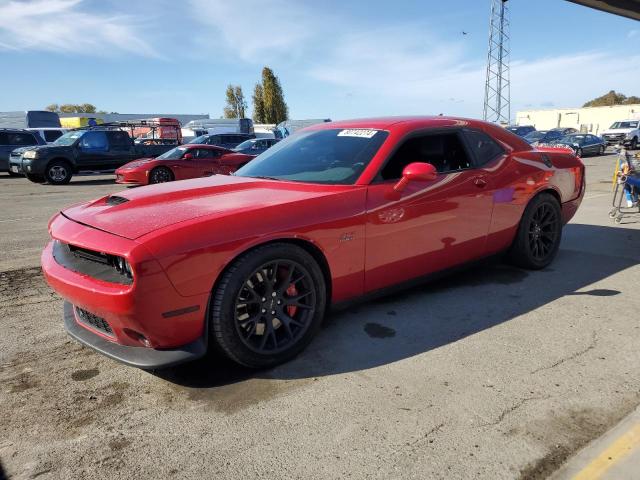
250	262
181	163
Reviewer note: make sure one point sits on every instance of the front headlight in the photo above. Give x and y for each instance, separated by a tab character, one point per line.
30	154
122	266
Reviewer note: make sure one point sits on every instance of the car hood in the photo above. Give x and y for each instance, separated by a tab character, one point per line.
618	130
137	212
51	148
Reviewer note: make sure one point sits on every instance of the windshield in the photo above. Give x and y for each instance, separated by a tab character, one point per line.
245	144
333	156
572	139
533	136
173	154
70	137
625	125
200	139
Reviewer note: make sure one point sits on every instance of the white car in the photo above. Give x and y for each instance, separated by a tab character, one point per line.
49	134
625	132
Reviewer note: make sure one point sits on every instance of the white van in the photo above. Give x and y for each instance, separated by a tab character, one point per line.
49	134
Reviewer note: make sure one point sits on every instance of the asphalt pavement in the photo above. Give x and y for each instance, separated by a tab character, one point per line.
493	373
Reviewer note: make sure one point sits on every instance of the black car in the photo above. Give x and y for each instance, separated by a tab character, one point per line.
89	149
521	130
543	136
12	138
224	140
582	144
564	130
256	146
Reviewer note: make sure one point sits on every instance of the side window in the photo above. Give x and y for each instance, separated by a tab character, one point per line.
4	139
214	140
483	147
119	140
52	135
202	153
95	141
444	151
23	139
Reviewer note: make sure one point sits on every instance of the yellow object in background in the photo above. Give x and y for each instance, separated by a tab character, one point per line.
77	122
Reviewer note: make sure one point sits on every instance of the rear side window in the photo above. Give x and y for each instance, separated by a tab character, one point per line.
4	139
119	140
483	147
52	135
22	139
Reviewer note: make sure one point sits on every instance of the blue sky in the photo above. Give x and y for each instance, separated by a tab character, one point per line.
334	58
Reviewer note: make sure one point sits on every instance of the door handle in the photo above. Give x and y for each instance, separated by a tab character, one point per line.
479	182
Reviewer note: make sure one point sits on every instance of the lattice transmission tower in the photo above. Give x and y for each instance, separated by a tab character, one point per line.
497	90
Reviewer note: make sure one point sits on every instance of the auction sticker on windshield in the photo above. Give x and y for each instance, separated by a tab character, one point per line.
357	132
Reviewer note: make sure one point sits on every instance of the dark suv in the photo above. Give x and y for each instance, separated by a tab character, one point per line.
12	138
224	140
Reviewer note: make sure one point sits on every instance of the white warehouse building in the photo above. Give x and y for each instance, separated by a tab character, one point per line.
586	120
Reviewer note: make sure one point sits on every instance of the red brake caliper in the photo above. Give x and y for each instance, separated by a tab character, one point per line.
292	292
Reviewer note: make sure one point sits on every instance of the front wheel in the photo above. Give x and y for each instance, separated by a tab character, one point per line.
634	143
58	172
579	152
601	151
161	175
539	234
268	305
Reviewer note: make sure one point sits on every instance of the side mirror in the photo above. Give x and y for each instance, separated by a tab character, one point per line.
417	171
187	156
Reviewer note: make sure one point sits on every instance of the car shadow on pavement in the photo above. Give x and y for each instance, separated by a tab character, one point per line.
440	312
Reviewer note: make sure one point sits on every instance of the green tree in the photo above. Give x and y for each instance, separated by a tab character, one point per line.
68	108
258	104
275	108
54	107
86	108
612	98
236	104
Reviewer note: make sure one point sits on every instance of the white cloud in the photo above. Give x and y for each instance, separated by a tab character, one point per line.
633	34
257	29
61	26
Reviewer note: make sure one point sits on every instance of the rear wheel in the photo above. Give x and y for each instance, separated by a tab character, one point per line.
268	305
58	172
161	175
601	151
35	178
14	174
634	143
539	234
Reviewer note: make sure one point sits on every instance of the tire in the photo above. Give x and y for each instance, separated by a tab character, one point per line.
634	144
58	172
161	175
539	234
259	318
14	174
601	151
579	152
35	178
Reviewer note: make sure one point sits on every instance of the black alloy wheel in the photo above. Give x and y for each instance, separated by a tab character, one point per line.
160	175
539	234
268	305
275	306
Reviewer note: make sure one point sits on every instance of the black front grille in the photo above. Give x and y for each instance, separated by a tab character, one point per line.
98	265
94	321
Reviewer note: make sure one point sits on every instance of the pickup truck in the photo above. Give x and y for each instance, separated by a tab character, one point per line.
91	149
625	133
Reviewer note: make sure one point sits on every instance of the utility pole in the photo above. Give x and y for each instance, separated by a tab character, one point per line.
497	89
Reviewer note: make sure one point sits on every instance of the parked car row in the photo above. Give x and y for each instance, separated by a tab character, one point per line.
155	157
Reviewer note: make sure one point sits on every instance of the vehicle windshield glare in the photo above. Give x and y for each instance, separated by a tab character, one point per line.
245	144
69	138
328	156
533	136
173	154
200	139
572	139
619	125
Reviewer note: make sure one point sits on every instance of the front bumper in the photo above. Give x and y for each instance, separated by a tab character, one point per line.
136	323
140	357
132	177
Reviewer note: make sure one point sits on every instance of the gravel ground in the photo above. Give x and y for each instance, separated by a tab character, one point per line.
492	373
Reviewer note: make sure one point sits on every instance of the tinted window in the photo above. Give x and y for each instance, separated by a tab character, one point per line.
483	147
21	139
119	140
4	139
96	141
204	153
52	135
334	156
444	151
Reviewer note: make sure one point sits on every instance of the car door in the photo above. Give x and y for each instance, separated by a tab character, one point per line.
208	162
120	148
430	225
93	151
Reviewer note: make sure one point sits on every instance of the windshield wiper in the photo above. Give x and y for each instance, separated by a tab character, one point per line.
265	177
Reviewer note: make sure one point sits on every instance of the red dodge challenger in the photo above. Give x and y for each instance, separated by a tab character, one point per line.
251	262
181	163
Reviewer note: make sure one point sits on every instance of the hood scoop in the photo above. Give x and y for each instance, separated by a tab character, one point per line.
116	200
